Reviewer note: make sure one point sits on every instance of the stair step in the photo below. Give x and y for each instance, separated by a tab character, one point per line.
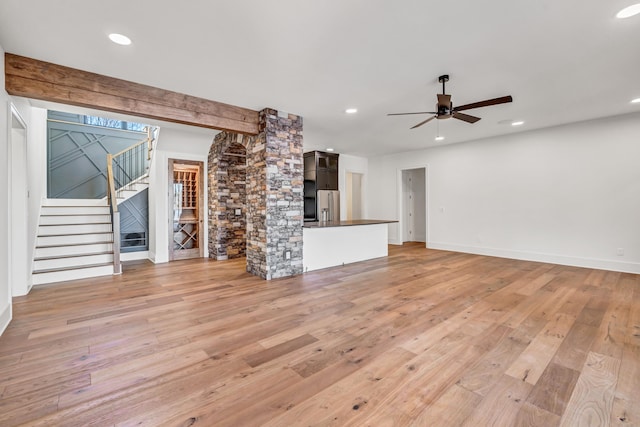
74	202
62	229
57	219
73	239
71	261
73	250
64	274
75	210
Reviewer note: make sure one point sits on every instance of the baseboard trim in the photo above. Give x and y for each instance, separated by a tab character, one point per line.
134	256
600	264
5	318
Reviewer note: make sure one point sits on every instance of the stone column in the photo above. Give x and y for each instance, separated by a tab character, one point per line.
274	195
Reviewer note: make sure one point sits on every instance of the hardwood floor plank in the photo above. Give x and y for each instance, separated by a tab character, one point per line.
592	400
421	337
553	390
535	358
532	416
451	409
502	404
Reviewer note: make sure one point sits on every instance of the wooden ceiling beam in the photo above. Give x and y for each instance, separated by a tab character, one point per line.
41	80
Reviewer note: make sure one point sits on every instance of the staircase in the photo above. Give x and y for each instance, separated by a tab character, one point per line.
75	241
76	237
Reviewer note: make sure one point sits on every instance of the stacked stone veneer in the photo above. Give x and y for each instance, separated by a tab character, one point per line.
274	195
227	197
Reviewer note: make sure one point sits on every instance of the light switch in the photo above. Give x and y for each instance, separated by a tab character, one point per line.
238	212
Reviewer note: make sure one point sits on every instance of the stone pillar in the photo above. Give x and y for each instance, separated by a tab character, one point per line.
227	197
274	195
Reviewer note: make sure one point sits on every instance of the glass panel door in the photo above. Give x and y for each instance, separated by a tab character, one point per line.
186	211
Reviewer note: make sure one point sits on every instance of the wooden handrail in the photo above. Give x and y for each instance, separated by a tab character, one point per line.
115	215
137	144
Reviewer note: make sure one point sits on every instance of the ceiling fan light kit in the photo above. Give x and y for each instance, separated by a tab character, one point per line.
446	110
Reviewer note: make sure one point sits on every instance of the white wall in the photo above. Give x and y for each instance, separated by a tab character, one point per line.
354	164
180	144
568	194
35	184
5	291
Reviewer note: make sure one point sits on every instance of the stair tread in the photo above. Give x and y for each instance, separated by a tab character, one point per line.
45	258
74	234
77	214
81	223
83	267
73	244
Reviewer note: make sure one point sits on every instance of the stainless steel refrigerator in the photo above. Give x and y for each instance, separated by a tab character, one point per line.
328	205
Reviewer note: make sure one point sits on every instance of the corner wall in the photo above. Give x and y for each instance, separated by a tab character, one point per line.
5	290
568	194
172	144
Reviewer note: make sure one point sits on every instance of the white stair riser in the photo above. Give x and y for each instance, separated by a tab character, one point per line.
74	239
49	230
60	276
73	202
130	191
73	250
75	210
46	264
74	219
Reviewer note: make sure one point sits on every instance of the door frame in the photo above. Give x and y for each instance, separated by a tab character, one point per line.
19	265
400	203
201	198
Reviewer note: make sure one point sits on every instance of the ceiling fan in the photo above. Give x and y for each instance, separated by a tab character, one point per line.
446	110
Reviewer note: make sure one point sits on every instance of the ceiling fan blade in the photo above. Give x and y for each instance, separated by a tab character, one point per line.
444	99
488	102
426	121
404	114
465	117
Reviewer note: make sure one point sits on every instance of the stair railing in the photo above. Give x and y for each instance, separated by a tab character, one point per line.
125	168
115	215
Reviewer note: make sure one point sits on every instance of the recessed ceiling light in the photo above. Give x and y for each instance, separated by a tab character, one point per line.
629	11
439	138
329	149
120	39
518	123
635	101
351	110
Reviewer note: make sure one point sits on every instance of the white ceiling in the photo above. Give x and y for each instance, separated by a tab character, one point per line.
562	61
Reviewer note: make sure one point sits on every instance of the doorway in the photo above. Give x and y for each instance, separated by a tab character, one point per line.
354	195
19	263
186	186
414	205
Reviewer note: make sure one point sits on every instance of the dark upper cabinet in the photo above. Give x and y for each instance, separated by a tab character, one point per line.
322	168
320	173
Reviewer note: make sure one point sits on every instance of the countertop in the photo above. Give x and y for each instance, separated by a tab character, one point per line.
327	224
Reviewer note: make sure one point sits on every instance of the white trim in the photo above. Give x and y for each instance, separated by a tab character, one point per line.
601	264
134	256
5	318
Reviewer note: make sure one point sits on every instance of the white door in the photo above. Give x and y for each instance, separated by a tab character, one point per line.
414	218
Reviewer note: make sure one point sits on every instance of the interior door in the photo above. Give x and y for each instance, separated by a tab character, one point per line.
186	188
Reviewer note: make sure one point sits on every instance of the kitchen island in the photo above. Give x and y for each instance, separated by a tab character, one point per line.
332	243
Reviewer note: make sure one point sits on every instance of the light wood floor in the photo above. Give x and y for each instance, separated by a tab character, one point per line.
422	338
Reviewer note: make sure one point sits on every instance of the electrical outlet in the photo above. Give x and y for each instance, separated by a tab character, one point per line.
238	212
287	255
620	252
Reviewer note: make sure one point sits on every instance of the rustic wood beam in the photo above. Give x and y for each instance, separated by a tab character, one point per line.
36	79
